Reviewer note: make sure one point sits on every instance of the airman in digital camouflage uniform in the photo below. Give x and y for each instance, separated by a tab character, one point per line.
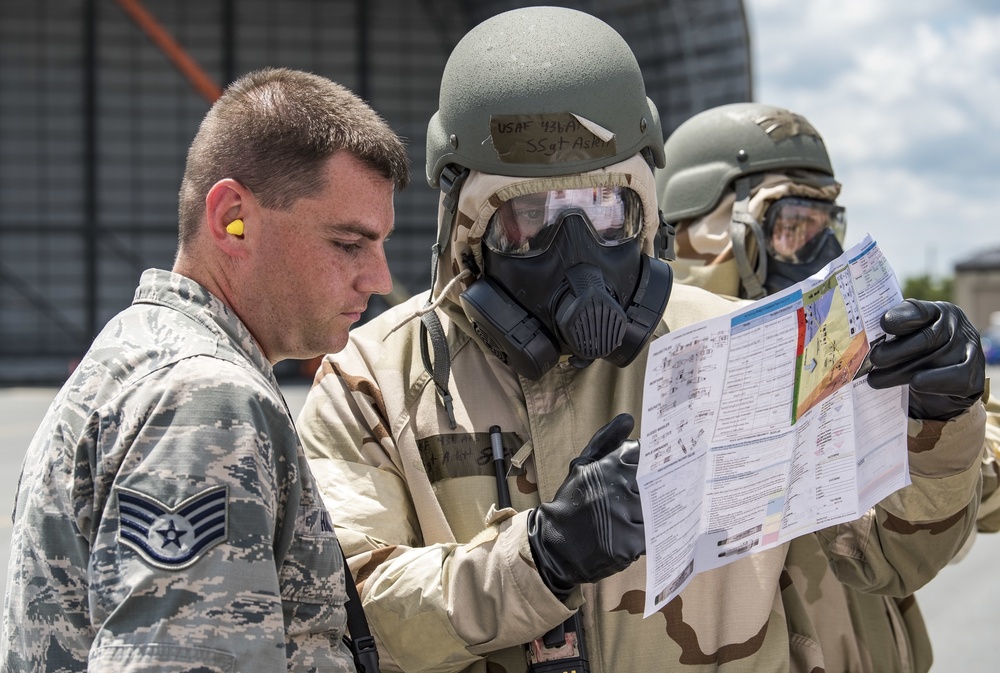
547	290
166	518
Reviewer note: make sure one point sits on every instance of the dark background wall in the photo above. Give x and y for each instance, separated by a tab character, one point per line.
99	100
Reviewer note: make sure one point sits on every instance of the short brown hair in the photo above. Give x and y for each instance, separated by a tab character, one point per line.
273	131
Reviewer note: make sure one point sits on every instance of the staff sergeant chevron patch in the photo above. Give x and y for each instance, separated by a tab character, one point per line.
172	538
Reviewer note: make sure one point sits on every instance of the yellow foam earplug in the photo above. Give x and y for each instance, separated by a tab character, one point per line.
235	227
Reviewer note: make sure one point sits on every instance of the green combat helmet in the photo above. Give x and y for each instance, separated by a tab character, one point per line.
511	104
730	148
708	152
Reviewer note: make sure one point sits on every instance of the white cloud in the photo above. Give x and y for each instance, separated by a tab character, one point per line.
906	94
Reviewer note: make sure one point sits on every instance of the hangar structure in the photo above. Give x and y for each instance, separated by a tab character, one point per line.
99	100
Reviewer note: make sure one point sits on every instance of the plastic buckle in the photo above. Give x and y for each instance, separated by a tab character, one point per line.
559	650
366	655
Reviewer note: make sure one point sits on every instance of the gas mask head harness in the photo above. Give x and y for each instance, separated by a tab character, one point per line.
560	270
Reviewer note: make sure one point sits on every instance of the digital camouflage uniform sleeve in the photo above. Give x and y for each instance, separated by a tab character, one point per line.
155	539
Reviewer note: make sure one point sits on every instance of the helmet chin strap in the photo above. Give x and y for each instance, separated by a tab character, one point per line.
452	178
751	276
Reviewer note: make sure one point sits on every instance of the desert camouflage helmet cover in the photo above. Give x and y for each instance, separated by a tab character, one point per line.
541	91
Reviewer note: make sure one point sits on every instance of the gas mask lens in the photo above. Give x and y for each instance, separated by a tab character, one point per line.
797	228
524	226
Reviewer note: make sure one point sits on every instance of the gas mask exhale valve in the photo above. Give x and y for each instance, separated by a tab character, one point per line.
591	323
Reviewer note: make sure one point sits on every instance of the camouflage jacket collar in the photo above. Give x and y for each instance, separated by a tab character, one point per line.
164	288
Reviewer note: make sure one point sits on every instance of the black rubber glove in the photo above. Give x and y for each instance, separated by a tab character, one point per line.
937	352
592	528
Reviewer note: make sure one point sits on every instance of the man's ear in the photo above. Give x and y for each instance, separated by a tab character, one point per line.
230	216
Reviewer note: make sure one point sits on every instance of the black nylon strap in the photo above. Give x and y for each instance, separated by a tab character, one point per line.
361	642
451	180
440	368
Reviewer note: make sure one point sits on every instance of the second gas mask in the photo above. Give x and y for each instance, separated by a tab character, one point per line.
564	274
767	233
801	236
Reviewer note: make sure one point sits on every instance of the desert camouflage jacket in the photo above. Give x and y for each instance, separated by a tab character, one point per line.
448	581
989	509
166	519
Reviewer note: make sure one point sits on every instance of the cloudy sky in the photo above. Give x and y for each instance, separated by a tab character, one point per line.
907	96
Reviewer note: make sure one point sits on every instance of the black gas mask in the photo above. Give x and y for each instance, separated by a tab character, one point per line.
801	237
564	274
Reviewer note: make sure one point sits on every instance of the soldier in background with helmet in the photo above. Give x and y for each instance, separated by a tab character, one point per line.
751	192
476	442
